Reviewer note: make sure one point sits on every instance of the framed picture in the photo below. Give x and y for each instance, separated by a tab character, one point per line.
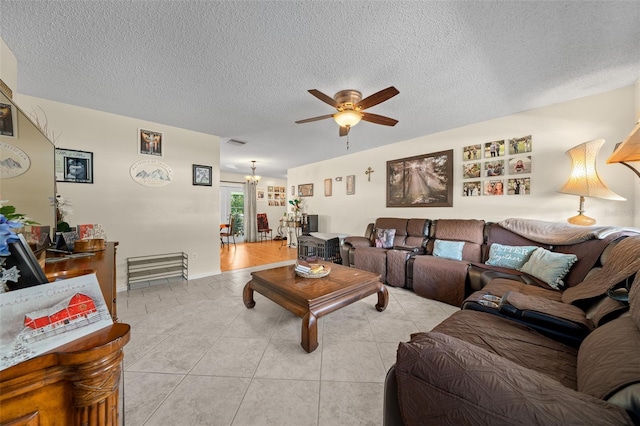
471	170
520	145
327	187
494	168
421	181
519	186
8	120
520	165
150	142
472	152
351	184
494	149
494	187
472	188
305	190
260	193
202	175
74	166
21	268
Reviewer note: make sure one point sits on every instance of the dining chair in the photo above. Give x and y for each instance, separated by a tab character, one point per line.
229	233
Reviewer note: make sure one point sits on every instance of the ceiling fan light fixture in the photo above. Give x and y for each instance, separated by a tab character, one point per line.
347	118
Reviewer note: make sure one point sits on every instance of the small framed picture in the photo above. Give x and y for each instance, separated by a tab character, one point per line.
8	120
202	175
472	189
520	145
494	168
472	152
471	170
519	186
150	142
305	190
494	149
520	165
73	166
327	187
351	184
494	187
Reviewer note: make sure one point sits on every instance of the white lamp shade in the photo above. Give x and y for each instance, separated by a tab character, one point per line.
584	179
347	118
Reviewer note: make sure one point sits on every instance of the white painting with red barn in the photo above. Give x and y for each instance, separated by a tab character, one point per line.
38	319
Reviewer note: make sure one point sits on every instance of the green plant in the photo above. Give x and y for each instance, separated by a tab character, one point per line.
9	212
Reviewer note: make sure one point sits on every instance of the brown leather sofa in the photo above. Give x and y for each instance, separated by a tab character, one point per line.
410	262
539	356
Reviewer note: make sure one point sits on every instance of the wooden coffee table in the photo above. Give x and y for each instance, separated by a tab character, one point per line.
312	298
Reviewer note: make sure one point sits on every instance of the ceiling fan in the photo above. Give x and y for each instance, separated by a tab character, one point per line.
350	106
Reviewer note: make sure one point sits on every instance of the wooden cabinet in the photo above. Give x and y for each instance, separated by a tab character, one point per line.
102	262
75	384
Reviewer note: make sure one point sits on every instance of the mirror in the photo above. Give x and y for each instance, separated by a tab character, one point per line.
27	176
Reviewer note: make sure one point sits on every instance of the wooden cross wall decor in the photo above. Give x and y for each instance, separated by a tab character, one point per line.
368	173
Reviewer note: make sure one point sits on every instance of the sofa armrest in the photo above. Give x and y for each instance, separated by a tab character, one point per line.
444	380
411	249
356	241
391	410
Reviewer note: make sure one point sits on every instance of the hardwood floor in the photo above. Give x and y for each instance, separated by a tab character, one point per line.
246	255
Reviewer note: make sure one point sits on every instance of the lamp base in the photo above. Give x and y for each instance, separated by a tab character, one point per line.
581	220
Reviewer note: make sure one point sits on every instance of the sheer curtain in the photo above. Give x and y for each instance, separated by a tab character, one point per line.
250	213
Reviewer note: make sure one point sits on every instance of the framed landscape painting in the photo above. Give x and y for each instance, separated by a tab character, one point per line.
421	181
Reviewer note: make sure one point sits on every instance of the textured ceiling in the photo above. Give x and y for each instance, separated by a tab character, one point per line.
241	69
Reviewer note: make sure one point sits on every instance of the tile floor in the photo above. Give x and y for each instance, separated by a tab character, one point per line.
198	356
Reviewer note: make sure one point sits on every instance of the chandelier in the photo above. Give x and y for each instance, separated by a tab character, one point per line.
253	179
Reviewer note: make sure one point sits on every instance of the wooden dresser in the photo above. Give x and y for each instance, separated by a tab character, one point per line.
78	383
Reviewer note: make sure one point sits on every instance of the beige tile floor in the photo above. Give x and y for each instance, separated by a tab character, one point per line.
198	356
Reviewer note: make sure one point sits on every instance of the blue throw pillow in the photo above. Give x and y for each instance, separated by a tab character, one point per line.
509	256
448	249
384	237
549	267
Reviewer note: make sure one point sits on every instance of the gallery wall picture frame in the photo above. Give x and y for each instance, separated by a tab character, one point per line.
73	166
421	181
519	186
305	190
520	145
150	142
519	165
351	184
8	120
494	149
472	152
202	175
327	187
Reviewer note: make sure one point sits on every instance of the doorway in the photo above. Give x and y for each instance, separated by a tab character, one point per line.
232	203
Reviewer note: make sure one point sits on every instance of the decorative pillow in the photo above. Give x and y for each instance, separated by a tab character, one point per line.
548	266
384	237
509	256
448	249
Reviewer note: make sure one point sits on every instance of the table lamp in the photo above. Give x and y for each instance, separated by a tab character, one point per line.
584	180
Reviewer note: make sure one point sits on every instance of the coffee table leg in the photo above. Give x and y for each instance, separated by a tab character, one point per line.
247	296
383	298
309	332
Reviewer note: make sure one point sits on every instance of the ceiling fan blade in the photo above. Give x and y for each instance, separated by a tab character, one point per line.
324	98
377	98
344	130
378	119
309	120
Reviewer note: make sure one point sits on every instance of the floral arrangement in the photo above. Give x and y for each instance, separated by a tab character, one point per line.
63	208
297	204
9	213
7	235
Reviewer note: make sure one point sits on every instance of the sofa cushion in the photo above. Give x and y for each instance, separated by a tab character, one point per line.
499	286
448	249
548	266
509	256
609	361
385	237
371	259
443	380
515	342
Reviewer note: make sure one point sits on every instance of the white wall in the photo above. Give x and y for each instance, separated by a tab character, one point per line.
555	129
273	212
174	218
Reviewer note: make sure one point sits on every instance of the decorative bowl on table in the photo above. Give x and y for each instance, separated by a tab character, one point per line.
311	270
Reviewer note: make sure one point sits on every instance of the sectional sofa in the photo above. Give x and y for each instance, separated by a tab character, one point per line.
544	336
